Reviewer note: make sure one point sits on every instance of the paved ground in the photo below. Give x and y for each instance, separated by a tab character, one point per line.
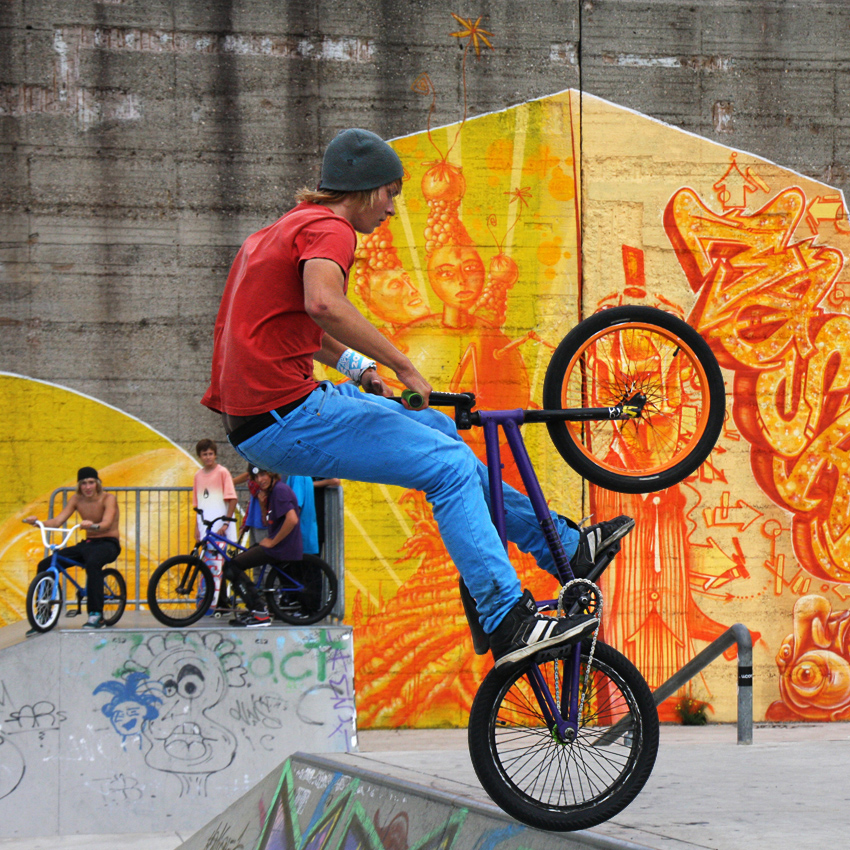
786	790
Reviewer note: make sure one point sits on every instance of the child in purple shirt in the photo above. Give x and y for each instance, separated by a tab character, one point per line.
283	543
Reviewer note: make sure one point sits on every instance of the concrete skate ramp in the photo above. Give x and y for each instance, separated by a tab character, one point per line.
325	803
141	730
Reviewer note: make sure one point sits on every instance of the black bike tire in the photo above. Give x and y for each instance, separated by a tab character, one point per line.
156	599
304	617
693	453
488	735
114	575
56	608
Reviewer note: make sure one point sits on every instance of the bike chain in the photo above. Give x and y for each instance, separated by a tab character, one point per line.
597	592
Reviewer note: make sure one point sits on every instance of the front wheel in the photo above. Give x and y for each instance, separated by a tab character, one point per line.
610	358
543	779
44	601
301	592
114	596
180	591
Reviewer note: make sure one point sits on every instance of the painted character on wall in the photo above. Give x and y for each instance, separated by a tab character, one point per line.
130	707
814	664
190	675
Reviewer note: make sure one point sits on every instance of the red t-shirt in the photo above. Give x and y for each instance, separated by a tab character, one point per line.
264	340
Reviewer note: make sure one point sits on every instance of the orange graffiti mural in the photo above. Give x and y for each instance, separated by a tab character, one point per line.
814	665
759	306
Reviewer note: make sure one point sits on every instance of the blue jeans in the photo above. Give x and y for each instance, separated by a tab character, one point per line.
341	432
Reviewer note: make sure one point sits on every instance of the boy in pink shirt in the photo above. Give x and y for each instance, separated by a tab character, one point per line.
213	492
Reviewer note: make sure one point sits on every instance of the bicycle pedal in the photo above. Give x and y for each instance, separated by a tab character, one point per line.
72	613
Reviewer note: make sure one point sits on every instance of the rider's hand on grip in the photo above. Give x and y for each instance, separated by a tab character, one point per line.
413	399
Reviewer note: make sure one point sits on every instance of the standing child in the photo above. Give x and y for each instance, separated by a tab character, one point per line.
213	492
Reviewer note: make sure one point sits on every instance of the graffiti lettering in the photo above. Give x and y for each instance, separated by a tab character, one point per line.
120	787
261	711
221	840
41	715
759	307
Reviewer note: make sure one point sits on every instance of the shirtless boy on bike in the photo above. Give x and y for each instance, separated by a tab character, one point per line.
284	305
99	517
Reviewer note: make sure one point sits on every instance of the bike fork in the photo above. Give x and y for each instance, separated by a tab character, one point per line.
561	715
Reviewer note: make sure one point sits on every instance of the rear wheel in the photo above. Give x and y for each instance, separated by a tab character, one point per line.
180	591
114	596
605	361
44	601
301	592
542	779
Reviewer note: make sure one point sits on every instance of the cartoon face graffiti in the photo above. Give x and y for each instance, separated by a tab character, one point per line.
814	664
190	675
131	705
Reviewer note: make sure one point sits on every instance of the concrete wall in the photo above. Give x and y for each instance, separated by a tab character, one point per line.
146	730
140	143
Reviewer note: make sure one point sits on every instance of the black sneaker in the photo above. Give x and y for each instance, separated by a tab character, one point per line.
253	620
595	539
525	631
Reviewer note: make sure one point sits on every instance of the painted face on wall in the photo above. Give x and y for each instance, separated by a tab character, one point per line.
456	275
128	717
184	740
393	297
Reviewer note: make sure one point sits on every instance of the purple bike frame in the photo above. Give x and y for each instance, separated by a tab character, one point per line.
510	420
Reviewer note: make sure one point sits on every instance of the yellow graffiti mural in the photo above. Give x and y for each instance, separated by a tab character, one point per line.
51	432
475	279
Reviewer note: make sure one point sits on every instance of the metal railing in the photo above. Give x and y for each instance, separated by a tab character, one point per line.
159	522
739	634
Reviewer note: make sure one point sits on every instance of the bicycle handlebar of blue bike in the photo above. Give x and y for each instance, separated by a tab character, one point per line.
211	522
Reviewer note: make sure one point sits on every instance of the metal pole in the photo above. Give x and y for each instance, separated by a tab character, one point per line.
735	634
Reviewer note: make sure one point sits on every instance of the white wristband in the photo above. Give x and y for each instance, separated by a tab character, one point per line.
353	365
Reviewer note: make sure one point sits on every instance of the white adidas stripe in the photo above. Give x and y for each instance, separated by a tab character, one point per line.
539	631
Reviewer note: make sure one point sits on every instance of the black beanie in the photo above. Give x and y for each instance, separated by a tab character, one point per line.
87	472
358	160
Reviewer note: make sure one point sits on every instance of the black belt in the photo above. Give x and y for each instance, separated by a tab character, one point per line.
261	421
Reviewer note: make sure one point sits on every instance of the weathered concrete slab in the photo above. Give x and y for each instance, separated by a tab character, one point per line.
127	730
325	802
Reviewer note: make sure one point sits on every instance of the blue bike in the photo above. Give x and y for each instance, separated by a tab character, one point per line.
44	595
181	589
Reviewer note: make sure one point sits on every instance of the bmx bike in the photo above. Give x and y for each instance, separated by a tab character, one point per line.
181	589
45	596
634	401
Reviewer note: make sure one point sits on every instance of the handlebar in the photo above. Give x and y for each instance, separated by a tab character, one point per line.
629	407
209	523
461	402
46	531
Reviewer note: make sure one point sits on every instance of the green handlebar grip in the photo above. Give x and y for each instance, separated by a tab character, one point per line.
413	398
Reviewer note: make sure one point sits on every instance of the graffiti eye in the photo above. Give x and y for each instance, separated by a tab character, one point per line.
169	687
191	687
809	677
190	682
